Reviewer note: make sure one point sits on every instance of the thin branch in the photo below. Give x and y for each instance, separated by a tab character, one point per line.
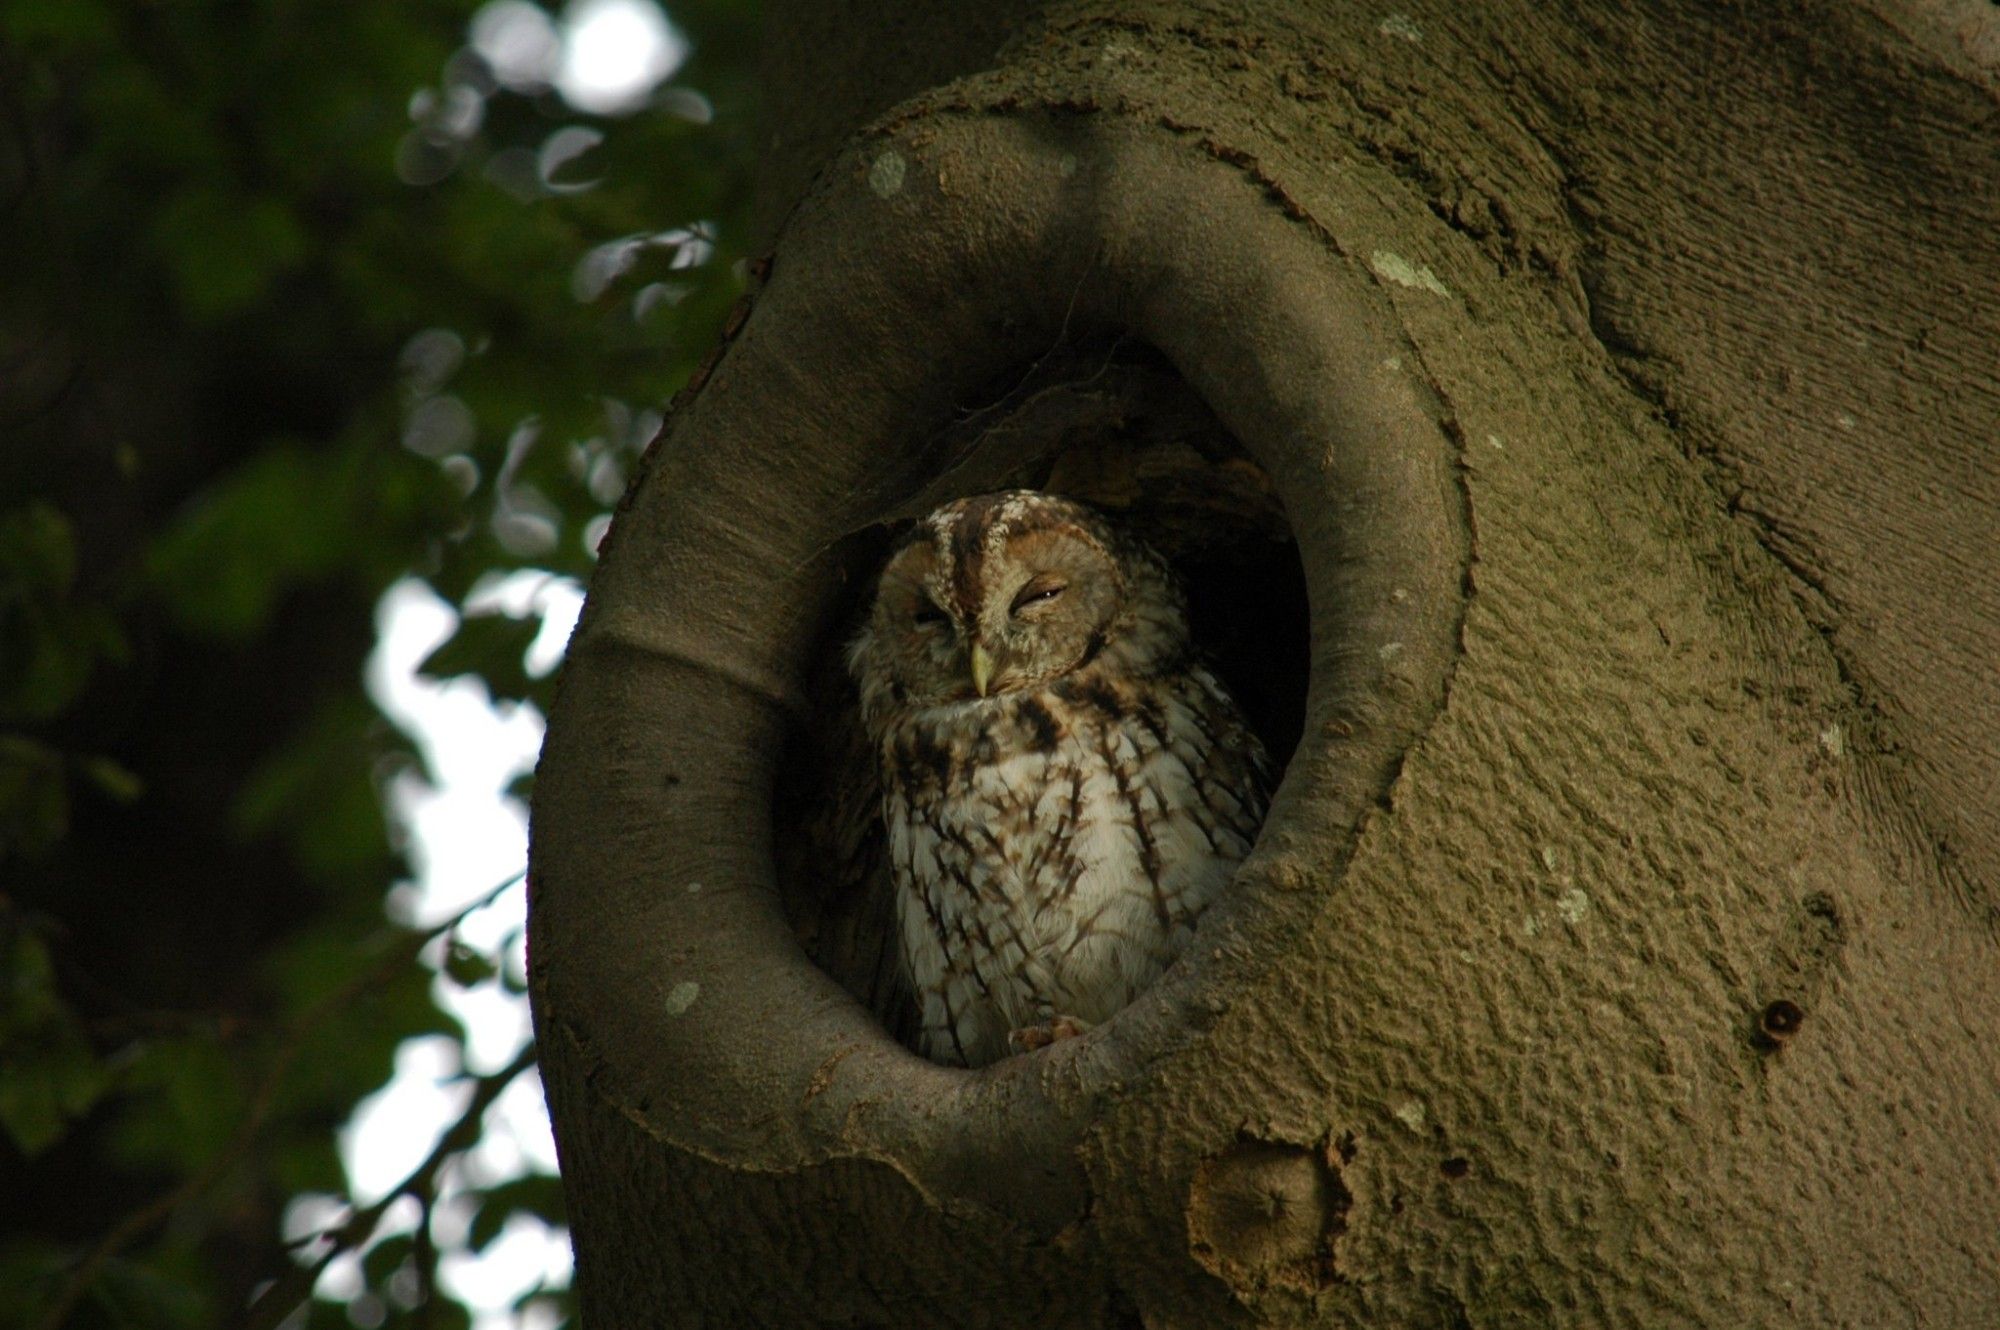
424	1253
281	1298
128	1230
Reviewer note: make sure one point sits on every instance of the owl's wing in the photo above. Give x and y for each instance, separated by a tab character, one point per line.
1234	774
836	866
858	938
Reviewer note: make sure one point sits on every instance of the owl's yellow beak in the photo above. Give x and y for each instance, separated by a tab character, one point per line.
982	669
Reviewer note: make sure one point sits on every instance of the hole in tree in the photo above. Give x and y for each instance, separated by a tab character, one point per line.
1108	422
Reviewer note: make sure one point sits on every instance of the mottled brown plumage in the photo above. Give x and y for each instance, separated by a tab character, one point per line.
1065	785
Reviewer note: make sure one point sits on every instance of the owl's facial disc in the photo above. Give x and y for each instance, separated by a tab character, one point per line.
1004	592
1034	602
1050	598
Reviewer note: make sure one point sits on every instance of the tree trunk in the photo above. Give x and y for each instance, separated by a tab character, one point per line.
1621	947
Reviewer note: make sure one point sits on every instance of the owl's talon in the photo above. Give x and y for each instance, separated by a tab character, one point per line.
1031	1037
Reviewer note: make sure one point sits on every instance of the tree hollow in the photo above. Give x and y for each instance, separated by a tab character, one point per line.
894	302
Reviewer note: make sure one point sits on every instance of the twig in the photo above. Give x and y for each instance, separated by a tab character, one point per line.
127	1230
424	1253
278	1301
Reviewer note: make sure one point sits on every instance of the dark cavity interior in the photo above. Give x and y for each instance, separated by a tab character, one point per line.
1107	421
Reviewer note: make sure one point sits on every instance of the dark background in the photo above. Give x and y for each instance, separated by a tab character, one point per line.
283	282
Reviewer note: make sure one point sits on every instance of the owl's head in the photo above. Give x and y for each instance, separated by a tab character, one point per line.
1002	592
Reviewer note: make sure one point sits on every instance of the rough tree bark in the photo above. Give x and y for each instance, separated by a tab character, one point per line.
1622	946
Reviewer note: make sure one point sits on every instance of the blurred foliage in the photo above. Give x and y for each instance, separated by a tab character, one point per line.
302	298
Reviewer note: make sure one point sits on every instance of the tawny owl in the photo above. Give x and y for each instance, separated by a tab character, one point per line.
1065	784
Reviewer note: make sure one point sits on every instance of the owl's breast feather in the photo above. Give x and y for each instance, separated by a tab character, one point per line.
1052	849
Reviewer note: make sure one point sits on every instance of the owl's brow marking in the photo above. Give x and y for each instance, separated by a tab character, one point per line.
976	532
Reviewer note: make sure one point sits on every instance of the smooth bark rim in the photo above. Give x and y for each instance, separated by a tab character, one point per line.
924	263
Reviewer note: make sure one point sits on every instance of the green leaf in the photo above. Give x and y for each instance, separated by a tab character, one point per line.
279	521
49	641
28	998
385	1258
324	1315
537	1195
29	1109
183	1100
486	1225
494	647
31	1270
353	1050
116	781
290	518
468	968
225	248
57	23
308	1162
37	550
162	1292
441	1314
512	982
49	1074
321	790
44	1090
34	797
